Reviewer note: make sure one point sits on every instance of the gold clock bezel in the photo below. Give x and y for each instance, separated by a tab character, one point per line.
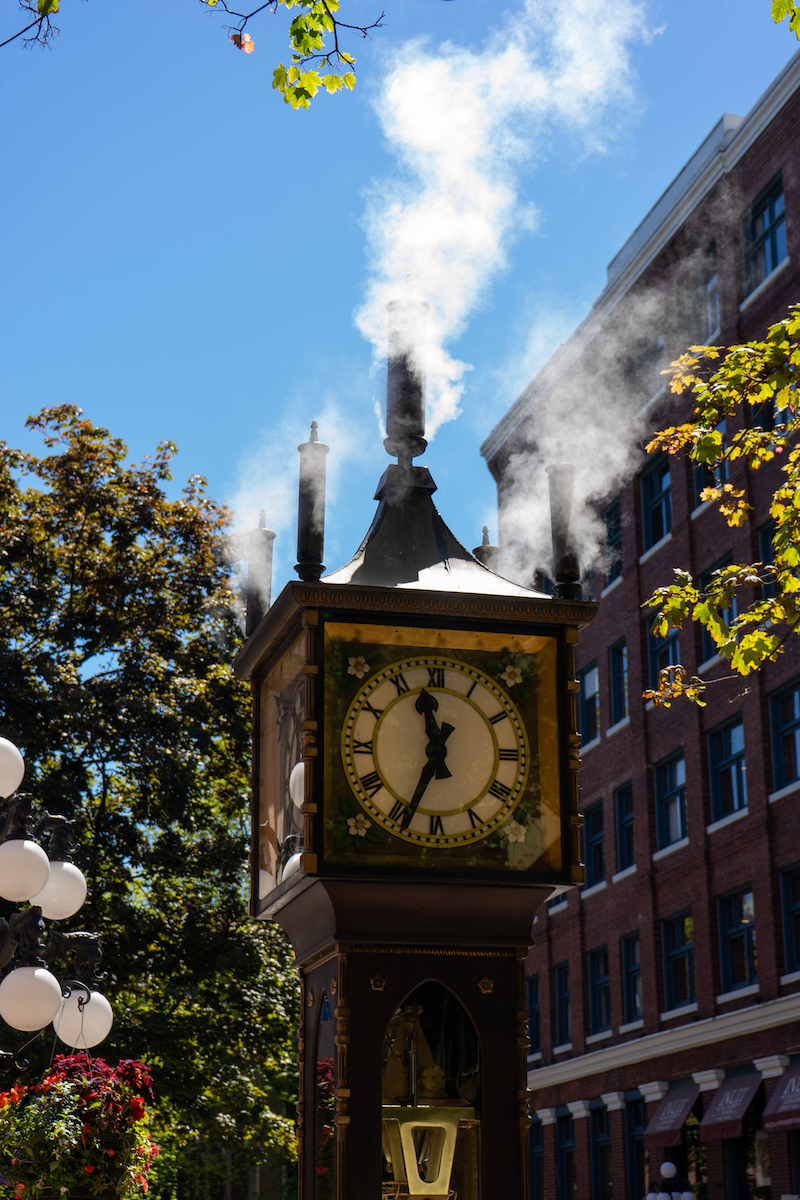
439	840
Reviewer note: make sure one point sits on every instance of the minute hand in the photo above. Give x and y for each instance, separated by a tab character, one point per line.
427	774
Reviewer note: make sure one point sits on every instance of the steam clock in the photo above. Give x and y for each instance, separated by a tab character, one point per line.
415	801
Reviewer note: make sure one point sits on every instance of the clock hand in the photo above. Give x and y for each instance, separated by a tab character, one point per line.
427	706
426	775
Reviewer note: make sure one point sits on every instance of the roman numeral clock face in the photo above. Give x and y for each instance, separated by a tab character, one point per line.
435	751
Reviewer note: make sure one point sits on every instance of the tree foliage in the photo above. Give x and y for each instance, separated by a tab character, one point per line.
755	390
781	9
316	37
117	631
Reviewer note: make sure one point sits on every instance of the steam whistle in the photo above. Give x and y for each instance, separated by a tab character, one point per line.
566	574
259	573
311	508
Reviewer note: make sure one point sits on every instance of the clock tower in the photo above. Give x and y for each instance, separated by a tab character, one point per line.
415	800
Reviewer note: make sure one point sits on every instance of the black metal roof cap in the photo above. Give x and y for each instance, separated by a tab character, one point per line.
409	545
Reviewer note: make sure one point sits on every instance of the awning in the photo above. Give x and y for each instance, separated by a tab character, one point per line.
783	1110
667	1121
726	1111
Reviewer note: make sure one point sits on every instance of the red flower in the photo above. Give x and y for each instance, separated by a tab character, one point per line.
89	1169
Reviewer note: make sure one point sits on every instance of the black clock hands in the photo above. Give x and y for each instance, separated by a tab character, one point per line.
436	751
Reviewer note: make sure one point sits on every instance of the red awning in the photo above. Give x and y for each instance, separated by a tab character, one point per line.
667	1121
783	1110
726	1111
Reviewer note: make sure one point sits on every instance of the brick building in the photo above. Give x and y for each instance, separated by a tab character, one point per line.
669	985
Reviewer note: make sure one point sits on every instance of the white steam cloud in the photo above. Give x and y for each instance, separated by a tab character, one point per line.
462	123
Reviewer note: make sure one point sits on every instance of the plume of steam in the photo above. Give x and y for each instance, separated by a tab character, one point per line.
589	398
461	123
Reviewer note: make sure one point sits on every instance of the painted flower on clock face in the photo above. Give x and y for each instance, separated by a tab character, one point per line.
512	676
514	831
358	825
357	666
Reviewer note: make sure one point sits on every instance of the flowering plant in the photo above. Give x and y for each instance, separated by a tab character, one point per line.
81	1131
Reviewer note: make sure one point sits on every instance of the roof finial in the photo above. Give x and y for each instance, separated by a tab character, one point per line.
314	436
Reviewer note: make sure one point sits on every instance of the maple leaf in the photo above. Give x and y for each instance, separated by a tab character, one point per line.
243	41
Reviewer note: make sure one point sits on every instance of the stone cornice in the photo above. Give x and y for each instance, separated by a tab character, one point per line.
670	1041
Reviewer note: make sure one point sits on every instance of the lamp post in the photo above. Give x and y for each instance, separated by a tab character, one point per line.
31	996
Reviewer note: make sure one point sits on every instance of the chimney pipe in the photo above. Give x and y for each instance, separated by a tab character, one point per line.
405	385
311	508
259	573
566	574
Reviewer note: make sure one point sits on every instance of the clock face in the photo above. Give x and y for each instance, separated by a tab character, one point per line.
435	751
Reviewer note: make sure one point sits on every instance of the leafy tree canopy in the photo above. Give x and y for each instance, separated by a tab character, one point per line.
316	41
117	631
755	388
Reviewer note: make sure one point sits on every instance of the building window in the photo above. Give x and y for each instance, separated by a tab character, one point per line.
708	476
728	778
563	1032
656	501
635	1121
701	294
708	647
764	235
678	934
790	889
566	1176
626	841
649	361
632	977
661	652
618	678
534	1022
786	735
613	521
737	935
671	801
537	1160
593	841
766	553
599	991
589	705
602	1174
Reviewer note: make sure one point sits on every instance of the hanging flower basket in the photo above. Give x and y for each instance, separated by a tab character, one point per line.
80	1134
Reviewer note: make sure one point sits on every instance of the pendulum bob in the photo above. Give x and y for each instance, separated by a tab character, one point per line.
420	1144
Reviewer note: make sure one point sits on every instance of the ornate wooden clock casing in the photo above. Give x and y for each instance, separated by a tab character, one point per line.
415	801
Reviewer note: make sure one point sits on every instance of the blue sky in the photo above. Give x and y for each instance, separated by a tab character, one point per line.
184	254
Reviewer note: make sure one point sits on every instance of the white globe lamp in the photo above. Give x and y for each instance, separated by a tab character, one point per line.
30	997
24	869
292	865
12	767
297	780
668	1170
81	1022
687	1196
663	1196
64	892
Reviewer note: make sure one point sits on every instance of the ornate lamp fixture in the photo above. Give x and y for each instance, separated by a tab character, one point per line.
31	996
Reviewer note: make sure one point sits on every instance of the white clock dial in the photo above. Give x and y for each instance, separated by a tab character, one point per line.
435	751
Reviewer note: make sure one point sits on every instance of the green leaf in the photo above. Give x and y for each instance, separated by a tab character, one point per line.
375	834
349	807
344	839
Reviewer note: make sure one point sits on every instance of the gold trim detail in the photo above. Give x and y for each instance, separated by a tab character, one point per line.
377	983
365	949
486	985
